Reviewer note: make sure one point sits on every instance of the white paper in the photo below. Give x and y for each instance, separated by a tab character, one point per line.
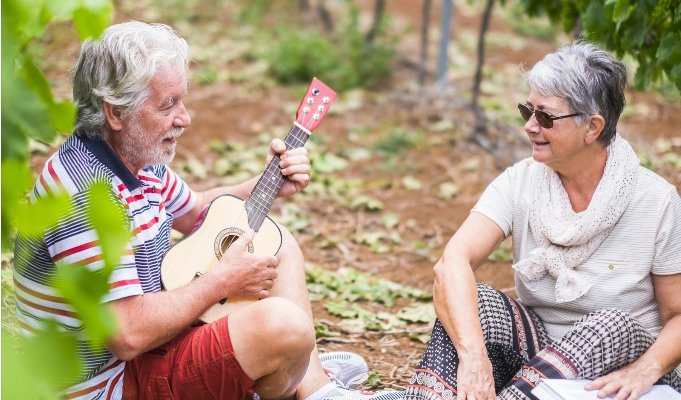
565	389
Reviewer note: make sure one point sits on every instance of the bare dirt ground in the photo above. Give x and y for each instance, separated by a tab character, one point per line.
239	111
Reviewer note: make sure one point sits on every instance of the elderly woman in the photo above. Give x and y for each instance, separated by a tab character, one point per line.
597	251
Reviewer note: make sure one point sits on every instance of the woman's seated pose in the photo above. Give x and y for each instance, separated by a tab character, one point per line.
596	250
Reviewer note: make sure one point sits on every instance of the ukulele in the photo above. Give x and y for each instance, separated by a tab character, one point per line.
229	216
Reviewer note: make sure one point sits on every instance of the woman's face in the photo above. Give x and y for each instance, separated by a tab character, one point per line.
560	144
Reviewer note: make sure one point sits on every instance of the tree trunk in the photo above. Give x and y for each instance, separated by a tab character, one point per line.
480	125
425	27
443	59
378	16
325	16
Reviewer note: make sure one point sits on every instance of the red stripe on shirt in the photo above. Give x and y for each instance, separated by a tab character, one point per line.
148	179
171	191
114	381
47	309
74	250
50	168
136	197
146	226
118	284
184	204
85	391
33	293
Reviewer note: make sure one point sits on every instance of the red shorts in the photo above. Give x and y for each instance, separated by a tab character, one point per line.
197	364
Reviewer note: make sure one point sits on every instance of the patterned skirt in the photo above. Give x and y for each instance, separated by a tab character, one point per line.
522	354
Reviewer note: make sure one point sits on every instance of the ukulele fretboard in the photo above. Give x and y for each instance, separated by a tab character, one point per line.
265	191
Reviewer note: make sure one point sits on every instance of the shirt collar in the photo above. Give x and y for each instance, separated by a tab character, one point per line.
105	154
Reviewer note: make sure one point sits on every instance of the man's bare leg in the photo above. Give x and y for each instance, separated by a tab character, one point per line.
291	285
272	341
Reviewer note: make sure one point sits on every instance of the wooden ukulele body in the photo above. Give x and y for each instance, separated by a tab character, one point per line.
225	220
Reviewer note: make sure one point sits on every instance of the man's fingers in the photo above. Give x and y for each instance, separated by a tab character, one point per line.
245	239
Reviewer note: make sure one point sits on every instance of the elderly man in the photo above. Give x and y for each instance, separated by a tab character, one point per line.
129	88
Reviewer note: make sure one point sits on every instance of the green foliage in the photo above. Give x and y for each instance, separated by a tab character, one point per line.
648	30
43	365
29	110
395	141
344	59
38	367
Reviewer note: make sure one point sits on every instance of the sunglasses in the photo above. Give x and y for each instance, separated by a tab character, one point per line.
545	120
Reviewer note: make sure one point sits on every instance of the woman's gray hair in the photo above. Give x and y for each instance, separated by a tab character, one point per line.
590	79
118	68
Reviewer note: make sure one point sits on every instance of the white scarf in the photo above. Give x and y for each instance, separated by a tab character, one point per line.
566	239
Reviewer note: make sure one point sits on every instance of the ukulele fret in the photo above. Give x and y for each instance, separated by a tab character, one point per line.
267	188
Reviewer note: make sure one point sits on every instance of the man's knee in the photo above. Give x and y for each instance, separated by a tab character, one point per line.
283	324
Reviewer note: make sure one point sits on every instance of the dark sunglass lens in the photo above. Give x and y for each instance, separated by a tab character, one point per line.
525	112
543	119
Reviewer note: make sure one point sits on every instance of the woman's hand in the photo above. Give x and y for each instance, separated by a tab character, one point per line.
629	383
474	378
294	165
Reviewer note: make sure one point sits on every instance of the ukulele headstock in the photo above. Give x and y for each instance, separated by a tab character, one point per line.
315	105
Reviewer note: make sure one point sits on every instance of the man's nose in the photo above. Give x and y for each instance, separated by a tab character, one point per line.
182	119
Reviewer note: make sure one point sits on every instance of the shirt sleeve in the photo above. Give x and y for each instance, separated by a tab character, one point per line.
667	258
496	202
73	240
178	197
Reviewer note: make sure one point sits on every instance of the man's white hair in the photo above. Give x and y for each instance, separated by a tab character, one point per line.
118	68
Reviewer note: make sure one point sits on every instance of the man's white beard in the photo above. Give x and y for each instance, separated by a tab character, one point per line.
137	149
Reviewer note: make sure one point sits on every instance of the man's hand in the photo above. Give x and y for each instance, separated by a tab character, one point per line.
474	378
294	165
245	274
629	383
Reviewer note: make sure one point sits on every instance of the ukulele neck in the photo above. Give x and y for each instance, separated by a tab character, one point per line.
267	188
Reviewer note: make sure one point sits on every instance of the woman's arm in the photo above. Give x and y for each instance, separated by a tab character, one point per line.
662	356
456	301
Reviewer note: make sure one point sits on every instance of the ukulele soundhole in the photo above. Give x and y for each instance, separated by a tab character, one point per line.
225	239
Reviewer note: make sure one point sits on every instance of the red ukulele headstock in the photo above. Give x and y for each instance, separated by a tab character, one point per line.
315	104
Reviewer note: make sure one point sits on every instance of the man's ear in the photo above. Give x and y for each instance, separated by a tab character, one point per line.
113	116
594	128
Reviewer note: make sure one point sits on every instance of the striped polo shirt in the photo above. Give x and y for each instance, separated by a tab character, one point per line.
645	241
151	199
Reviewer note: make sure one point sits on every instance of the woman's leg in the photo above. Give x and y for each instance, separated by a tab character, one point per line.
512	336
599	343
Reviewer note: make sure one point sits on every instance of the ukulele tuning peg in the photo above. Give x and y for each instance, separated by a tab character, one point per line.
320	108
306	110
310	100
326	100
315	116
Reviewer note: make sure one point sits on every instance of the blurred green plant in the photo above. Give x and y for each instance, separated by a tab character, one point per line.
345	59
42	365
648	30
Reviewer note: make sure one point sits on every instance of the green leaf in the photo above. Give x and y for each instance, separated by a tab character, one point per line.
52	355
447	191
622	11
109	221
84	290
24	112
39	367
16	181
63	115
411	183
31	219
342	309
92	18
419	313
28	19
669	50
